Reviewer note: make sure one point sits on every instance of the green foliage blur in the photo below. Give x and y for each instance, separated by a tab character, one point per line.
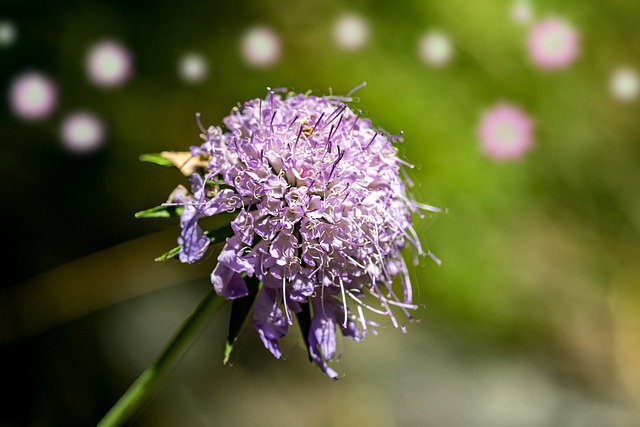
540	255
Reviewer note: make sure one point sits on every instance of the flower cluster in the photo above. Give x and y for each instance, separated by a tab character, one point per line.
322	215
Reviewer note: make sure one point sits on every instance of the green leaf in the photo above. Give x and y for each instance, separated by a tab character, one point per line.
170	254
304	320
156	158
215	237
219	234
161	212
239	313
186	162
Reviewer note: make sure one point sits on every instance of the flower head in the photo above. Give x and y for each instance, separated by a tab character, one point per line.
321	216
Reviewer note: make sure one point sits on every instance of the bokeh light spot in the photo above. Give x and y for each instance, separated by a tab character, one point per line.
505	132
193	68
33	96
521	11
8	33
261	47
109	64
351	32
82	132
436	48
624	84
553	44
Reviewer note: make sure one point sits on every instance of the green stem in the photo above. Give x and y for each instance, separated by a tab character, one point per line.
131	400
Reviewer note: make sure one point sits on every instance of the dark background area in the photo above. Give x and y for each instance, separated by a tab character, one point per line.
531	320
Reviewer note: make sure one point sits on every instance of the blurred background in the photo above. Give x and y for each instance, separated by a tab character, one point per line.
533	318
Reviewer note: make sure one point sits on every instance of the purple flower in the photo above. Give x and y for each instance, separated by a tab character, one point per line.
323	216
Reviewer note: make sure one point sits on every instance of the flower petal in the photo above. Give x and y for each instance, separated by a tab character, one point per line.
322	336
227	283
269	320
231	256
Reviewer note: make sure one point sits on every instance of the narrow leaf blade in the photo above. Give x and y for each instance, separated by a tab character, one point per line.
239	312
169	254
304	320
220	234
156	158
161	212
